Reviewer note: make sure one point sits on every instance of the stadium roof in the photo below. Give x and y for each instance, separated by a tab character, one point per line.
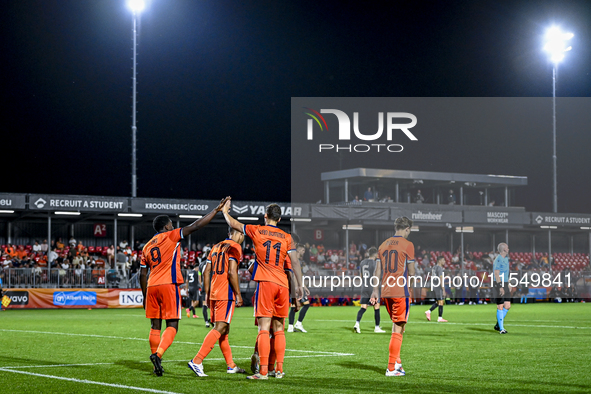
433	178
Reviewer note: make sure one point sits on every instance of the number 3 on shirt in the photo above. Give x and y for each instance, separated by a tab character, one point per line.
277	247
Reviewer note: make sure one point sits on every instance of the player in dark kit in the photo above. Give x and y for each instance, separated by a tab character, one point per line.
439	291
193	279
367	268
301	250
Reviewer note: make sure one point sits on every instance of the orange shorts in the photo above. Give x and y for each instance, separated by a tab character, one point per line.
397	308
271	300
163	302
222	310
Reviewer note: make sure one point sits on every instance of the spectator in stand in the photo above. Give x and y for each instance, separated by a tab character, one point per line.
206	249
320	249
110	254
79	268
122	262
52	256
37	247
314	250
72	253
10	250
59	244
44	247
492	203
21	253
123	244
368	195
356	201
137	246
419	199
451	199
80	247
37	274
72	242
63	272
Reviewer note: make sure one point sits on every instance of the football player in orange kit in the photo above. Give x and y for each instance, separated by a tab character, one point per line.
272	246
162	299
396	257
222	265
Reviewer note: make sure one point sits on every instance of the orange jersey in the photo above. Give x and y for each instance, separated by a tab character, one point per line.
162	255
394	254
271	245
219	258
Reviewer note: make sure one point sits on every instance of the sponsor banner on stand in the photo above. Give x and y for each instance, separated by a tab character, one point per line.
74	298
557	219
50	202
12	201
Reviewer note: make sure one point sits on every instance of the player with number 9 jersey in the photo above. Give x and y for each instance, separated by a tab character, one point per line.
162	255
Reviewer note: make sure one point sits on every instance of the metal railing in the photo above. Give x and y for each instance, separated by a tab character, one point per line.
79	278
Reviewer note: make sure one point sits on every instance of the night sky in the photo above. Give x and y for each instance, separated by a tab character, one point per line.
215	80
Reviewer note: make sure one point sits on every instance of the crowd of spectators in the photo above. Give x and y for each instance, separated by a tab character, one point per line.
71	263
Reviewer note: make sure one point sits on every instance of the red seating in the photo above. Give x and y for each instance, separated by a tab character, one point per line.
91	249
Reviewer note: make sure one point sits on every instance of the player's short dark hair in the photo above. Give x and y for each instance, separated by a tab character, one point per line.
296	238
402	223
440	257
160	222
371	251
273	212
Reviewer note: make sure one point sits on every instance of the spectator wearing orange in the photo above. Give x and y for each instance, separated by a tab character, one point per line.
80	247
10	250
60	244
21	253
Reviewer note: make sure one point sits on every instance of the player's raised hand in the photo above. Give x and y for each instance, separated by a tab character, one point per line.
223	203
227	206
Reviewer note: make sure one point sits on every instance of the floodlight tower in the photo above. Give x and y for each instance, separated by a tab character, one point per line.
136	6
555	45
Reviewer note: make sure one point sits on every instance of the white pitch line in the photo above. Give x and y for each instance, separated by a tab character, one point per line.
510	324
119	386
179	342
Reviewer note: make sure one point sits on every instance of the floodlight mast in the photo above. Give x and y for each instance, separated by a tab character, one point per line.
136	7
556	47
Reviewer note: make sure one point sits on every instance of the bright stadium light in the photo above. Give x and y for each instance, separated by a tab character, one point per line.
136	5
556	46
67	213
190	216
130	215
556	43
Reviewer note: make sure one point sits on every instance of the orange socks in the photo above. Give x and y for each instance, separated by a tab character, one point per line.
154	340
272	354
264	344
226	351
279	342
166	340
395	344
208	343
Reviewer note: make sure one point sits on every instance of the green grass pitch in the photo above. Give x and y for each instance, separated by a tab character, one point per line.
548	349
